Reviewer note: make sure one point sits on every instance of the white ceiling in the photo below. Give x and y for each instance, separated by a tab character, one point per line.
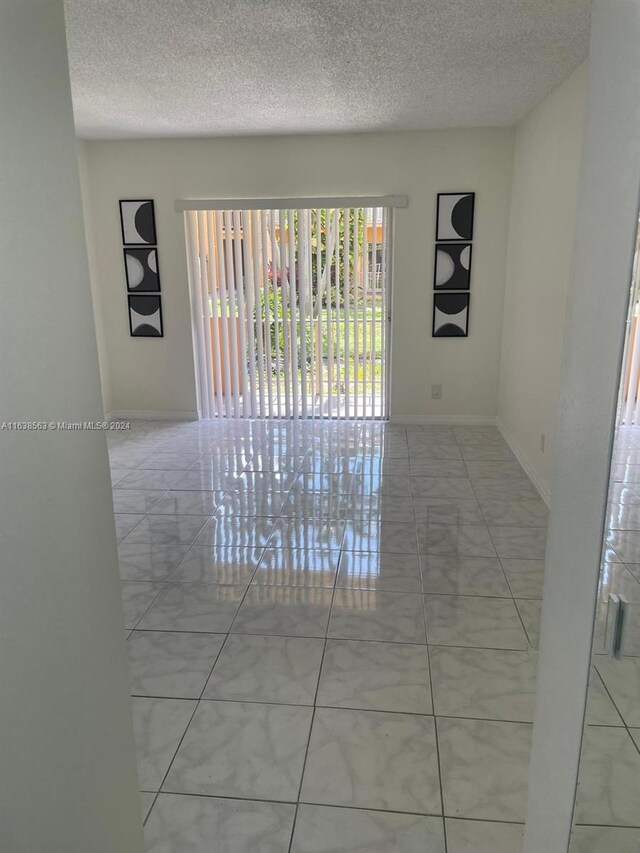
142	68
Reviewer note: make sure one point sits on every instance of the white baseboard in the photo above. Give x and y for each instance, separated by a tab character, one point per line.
444	420
143	415
529	470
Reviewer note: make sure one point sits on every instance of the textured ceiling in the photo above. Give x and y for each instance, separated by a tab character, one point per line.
216	67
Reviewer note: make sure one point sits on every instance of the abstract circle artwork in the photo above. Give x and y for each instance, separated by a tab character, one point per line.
453	266
141	268
145	317
454	219
450	315
138	222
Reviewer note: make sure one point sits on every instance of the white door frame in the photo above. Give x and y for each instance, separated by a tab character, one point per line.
596	313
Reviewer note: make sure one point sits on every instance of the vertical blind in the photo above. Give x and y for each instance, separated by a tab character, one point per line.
290	311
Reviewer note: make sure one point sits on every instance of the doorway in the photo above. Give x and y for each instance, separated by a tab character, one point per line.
291	311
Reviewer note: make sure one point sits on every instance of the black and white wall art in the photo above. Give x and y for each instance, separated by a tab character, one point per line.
145	316
452	270
138	221
454	219
450	315
141	269
452	264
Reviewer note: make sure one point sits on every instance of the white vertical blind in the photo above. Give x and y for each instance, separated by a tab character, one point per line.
290	311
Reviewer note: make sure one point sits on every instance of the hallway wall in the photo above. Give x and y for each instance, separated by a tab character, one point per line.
547	151
68	782
158	375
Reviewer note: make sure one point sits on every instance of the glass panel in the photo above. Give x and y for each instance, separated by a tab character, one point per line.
607	807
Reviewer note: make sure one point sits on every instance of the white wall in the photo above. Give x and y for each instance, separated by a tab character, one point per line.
606	226
157	375
67	777
547	152
101	338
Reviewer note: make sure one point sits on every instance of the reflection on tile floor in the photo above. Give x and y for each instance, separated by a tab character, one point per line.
607	812
300	599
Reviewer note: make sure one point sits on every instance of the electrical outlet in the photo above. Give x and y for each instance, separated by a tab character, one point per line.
542	441
436	392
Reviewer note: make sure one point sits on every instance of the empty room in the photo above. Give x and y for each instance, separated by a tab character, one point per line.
320	426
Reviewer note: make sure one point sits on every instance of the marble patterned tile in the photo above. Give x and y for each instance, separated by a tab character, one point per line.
435	450
194	607
136	598
609	779
463	540
620	516
136	500
622	680
529	611
457	620
158	725
187	503
601	711
505	489
316	482
362	614
202	824
474	836
456	488
596	839
316	505
383	485
237	531
252	504
242	749
297	567
223	564
381	507
451	575
528	543
148	561
383	571
320	534
168	461
206	480
374	760
525	577
375	676
493	469
267	669
125	523
284	611
371	534
626	544
150	480
447	511
425	467
146	801
323	829
616	578
167	529
529	513
492	684
171	664
489	453
485	768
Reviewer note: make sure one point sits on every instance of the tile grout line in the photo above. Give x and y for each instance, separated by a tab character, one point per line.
197	705
517	609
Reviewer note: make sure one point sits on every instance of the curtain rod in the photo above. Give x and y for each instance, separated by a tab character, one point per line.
290	203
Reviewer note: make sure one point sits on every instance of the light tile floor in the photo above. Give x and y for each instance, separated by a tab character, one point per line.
332	632
608	798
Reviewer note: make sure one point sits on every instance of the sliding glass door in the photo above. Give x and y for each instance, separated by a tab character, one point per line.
291	311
